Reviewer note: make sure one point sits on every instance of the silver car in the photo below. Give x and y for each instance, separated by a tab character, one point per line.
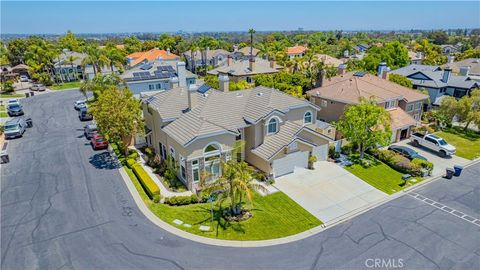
37	87
90	130
15	128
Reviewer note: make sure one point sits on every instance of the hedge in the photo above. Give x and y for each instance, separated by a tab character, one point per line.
182	200
416	167
147	183
130	162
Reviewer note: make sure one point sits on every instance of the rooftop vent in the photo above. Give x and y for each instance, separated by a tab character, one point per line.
146	66
259	94
239	95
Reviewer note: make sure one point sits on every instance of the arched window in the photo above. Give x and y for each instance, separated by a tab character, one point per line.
272	126
307	118
212	155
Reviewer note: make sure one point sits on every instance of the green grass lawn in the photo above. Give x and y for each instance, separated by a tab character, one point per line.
8	95
467	144
274	216
3	114
2	107
67	85
380	176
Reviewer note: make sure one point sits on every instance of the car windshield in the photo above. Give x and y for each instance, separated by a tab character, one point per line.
442	142
99	139
11	127
14	106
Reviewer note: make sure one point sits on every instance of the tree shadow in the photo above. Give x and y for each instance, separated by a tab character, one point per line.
219	221
105	160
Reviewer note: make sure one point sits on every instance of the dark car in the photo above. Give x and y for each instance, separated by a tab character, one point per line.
15	109
406	152
98	142
90	130
84	115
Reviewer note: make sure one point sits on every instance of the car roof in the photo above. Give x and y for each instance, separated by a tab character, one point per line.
433	136
13	121
403	148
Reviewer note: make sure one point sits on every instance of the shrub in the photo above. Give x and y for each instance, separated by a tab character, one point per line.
424	129
149	151
130	162
348	149
156	198
182	200
425	165
260	176
132	154
7	86
416	167
147	183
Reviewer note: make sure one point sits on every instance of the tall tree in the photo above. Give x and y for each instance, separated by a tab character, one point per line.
71	59
71	42
251	31
132	44
118	115
366	125
116	57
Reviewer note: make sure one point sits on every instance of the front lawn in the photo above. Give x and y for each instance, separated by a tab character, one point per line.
9	95
65	86
467	143
380	175
2	107
3	114
274	216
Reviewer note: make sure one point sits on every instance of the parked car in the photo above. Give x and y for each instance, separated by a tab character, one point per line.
406	152
23	78
38	87
98	142
13	101
14	128
433	143
90	130
84	115
15	109
80	104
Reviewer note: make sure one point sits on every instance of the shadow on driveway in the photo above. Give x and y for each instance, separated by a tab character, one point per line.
104	160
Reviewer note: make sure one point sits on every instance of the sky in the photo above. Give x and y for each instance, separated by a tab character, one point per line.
41	17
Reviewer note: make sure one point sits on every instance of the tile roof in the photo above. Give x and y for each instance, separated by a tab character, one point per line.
154	65
246	51
274	143
349	88
329	60
473	63
210	53
399	119
296	49
242	68
62	59
226	112
138	57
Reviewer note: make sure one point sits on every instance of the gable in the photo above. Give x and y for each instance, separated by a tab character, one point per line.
419	76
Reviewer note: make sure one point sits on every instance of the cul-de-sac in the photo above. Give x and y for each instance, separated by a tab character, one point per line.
240	135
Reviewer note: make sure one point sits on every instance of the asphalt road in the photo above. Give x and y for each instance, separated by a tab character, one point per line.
64	206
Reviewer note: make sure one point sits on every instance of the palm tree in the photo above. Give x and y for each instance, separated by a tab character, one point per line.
251	31
70	59
193	52
115	58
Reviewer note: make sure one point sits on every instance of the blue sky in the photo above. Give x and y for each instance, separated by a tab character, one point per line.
38	17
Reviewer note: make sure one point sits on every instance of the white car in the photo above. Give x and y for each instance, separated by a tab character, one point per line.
79	104
433	143
23	78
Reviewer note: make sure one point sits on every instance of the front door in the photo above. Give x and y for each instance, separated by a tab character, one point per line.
403	134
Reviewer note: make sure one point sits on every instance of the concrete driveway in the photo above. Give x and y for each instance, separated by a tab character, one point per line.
439	163
329	191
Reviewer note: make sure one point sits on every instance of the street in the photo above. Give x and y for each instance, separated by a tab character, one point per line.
64	206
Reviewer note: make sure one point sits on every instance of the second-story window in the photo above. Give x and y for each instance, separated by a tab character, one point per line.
389	104
307	118
272	126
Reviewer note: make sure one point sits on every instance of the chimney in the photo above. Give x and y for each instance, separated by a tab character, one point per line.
465	70
450	59
346	53
273	62
342	68
173	82
380	68
229	60
385	73
223	82
446	74
192	98
235	48
320	78
181	73
251	63
168	50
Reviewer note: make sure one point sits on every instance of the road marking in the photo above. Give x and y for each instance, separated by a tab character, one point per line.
445	208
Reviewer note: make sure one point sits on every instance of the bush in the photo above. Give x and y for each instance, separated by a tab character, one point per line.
132	154
260	176
424	129
7	86
416	167
147	183
427	166
182	200
130	162
348	149
149	151
156	198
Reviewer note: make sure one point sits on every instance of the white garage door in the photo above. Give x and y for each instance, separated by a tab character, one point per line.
321	152
288	163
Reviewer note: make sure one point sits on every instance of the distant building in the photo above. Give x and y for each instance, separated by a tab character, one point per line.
137	58
244	53
329	60
416	58
361	48
450	49
213	58
69	71
468	67
238	70
296	51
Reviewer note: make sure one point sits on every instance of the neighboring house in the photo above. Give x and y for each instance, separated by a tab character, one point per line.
21	69
138	58
329	60
450	49
244	53
437	82
213	58
361	48
67	71
158	76
245	69
277	131
404	105
416	58
296	51
468	67
6	73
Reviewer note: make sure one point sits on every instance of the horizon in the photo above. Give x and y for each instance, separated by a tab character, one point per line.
108	17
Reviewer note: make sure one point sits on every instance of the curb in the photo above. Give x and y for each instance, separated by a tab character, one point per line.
272	242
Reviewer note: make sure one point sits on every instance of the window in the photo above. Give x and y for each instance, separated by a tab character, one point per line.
195	162
172	153
307	118
212	160
431	140
249	80
272	126
163	152
409	107
389	104
195	174
151	87
324	103
418	105
182	167
416	116
159	86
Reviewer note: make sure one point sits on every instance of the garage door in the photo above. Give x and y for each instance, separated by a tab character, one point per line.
288	163
321	152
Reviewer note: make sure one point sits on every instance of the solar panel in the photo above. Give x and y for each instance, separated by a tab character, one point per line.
136	74
204	88
359	73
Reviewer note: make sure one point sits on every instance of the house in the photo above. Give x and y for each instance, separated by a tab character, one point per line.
213	58
404	105
437	82
296	51
158	76
468	67
137	58
329	60
450	49
416	58
66	70
245	69
244	53
21	69
361	48
277	131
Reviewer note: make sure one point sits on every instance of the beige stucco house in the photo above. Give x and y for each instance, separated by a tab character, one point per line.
246	69
404	105
278	130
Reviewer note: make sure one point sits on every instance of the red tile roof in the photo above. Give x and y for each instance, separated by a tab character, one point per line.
138	57
296	49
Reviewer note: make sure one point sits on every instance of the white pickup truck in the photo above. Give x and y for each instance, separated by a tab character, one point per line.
433	143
